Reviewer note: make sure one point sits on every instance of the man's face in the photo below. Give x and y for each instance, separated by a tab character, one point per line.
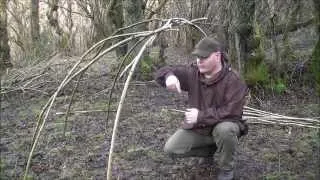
209	64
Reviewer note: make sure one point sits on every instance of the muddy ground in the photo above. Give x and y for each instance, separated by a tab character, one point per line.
267	152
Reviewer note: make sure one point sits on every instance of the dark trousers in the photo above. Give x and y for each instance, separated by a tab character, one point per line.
224	139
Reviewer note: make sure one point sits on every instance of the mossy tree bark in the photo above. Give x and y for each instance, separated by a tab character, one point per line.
116	15
106	16
70	36
316	51
4	47
35	34
133	11
53	19
316	65
52	16
245	11
199	9
99	13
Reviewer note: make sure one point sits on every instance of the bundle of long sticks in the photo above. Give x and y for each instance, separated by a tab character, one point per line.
256	116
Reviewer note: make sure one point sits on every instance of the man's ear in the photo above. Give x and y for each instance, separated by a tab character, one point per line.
219	54
213	54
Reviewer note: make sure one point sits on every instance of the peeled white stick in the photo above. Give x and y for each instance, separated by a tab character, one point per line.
259	121
246	109
176	110
123	95
276	120
178	87
172	80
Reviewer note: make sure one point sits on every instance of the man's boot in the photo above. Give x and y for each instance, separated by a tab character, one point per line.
226	175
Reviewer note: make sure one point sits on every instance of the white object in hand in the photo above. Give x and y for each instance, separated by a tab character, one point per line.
192	115
173	83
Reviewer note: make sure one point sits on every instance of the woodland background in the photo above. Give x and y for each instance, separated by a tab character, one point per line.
273	44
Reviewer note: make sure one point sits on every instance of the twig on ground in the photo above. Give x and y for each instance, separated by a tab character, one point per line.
82	112
23	90
176	110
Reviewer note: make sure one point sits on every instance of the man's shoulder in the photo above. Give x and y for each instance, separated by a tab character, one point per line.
192	67
234	75
232	72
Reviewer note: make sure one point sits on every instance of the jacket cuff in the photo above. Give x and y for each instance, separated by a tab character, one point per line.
161	76
168	74
200	117
205	118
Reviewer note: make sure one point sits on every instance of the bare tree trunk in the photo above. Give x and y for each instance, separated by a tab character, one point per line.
20	34
274	44
4	47
35	35
70	26
132	13
316	50
99	12
181	9
245	15
237	46
101	18
116	16
198	9
52	16
317	13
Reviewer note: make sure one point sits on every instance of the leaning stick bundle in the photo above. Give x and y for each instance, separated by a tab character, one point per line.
263	117
256	116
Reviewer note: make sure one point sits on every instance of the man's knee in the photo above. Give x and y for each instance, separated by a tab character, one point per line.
177	143
173	147
226	130
168	148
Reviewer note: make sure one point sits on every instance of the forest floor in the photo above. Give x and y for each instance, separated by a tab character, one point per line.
267	152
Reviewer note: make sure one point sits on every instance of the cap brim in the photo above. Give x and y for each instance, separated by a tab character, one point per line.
200	53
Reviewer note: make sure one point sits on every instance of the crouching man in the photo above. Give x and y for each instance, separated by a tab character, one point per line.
216	96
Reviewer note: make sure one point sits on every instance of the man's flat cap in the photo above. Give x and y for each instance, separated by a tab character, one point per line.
206	46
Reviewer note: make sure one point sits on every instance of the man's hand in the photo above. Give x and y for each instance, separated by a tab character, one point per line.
173	84
191	115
